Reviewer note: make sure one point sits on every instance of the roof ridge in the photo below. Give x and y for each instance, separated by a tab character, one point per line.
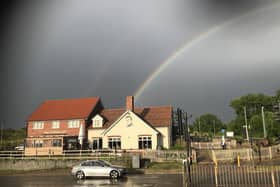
71	99
161	106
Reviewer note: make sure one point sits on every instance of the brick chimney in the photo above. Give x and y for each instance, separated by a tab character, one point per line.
130	103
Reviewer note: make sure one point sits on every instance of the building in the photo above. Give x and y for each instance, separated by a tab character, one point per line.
131	128
55	125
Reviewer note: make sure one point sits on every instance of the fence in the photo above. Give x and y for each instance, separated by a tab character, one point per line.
69	154
260	153
16	160
230	175
167	155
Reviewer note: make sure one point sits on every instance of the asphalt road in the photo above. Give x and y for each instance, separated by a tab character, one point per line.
139	180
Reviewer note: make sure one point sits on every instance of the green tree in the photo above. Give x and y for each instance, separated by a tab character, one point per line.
236	126
208	123
253	104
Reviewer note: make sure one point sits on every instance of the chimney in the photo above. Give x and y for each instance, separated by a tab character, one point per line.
130	103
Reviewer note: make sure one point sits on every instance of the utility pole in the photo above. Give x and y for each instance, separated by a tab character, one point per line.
2	124
214	126
199	126
246	124
263	120
180	126
188	147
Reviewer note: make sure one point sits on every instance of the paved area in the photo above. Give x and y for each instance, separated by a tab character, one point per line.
137	180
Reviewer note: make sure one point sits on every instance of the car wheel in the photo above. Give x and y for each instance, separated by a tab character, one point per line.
80	175
114	174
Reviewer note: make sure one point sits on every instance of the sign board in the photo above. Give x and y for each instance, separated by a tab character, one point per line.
230	134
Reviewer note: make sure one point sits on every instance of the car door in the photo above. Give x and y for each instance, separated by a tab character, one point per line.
98	169
86	168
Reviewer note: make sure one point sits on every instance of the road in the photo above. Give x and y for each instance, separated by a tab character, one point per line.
139	180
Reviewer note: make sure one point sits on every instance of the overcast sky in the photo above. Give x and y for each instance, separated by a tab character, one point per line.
71	49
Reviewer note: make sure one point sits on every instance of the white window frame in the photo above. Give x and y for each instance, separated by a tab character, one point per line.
146	142
97	121
55	125
74	123
115	142
38	125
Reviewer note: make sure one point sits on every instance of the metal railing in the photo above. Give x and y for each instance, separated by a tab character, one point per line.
230	175
66	154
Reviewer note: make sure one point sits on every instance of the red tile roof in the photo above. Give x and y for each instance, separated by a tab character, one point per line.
155	116
64	109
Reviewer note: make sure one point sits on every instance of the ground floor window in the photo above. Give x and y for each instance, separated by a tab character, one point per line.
145	142
56	143
97	143
114	143
71	143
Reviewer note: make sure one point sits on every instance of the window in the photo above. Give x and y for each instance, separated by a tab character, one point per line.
97	143
38	125
115	143
56	143
95	163
38	143
55	124
97	121
73	124
87	163
145	142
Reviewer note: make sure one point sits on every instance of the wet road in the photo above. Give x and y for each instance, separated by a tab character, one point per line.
151	180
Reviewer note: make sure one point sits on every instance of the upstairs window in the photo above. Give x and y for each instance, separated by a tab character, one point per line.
55	124
97	121
38	125
73	123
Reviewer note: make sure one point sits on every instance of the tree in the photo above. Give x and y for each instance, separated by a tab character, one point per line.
236	126
253	103
208	123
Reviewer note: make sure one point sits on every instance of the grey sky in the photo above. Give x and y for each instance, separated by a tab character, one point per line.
62	49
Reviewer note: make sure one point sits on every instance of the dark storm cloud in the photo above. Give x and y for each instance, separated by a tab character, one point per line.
61	49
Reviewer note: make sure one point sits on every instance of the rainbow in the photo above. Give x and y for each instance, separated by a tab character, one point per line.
196	40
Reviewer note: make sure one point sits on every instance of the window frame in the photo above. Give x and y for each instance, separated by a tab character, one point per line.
145	142
38	125
73	124
115	142
55	124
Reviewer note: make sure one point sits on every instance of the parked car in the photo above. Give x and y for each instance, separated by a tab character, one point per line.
19	147
97	168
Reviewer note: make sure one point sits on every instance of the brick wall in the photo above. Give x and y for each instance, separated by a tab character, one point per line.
63	129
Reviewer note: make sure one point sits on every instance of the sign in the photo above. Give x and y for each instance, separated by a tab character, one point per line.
230	134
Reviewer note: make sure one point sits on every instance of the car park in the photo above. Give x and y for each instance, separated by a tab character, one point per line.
97	168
